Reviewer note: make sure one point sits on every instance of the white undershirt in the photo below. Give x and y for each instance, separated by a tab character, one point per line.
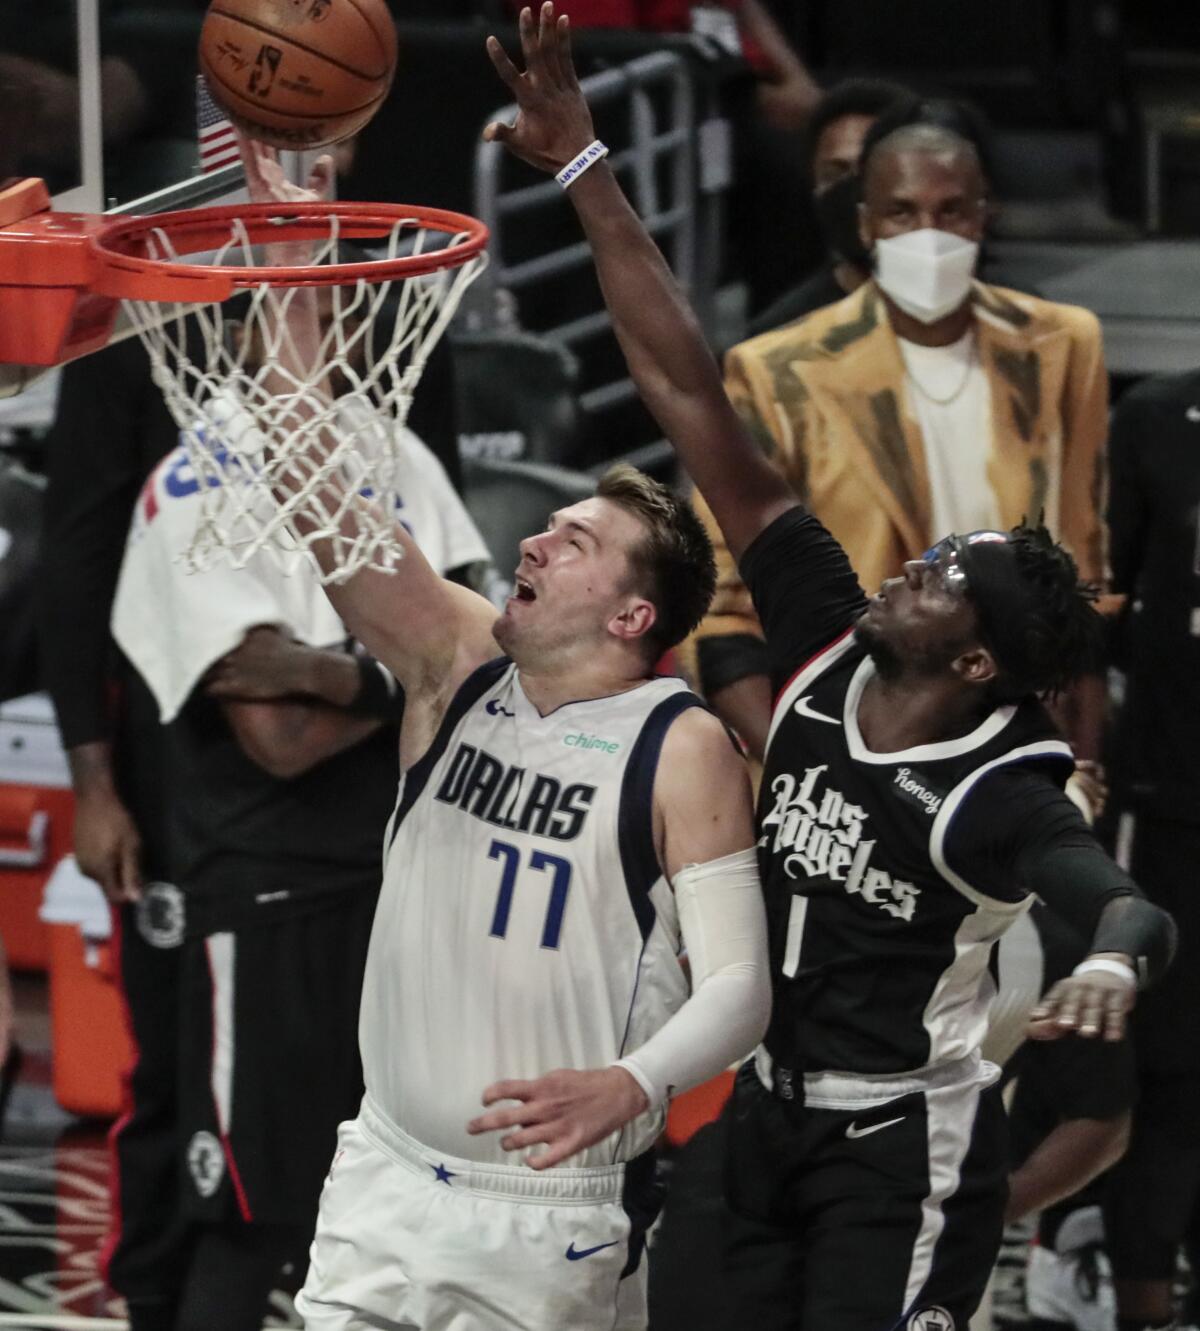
956	431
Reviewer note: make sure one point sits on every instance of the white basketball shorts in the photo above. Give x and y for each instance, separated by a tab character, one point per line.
408	1238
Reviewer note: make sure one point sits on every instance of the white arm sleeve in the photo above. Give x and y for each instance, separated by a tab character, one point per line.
724	929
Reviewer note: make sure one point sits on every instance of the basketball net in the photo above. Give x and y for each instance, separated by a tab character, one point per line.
290	448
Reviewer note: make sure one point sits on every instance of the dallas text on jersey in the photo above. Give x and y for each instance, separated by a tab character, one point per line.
501	795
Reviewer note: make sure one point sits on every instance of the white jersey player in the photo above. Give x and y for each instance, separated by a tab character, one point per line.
566	821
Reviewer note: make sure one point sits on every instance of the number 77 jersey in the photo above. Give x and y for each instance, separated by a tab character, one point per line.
524	923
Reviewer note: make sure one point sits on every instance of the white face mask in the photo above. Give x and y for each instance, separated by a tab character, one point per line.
927	273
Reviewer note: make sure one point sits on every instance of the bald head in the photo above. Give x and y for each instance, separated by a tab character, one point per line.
957	152
922	176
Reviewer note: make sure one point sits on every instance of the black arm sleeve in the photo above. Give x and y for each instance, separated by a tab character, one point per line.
804	590
111	429
1019	834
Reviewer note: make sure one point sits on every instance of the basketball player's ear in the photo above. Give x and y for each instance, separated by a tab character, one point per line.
976	665
634	621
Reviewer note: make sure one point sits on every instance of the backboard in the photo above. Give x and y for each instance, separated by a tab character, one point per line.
99	98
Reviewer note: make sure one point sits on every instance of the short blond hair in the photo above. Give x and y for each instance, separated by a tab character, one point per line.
673	565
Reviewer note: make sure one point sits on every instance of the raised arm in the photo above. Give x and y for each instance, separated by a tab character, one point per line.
428	632
663	343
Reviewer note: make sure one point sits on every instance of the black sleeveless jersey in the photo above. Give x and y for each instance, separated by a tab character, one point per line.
880	939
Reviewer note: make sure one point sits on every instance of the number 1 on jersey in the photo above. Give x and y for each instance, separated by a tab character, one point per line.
538	861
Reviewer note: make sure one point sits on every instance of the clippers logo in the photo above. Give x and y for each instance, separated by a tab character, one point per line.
266	66
206	1163
160	915
930	1319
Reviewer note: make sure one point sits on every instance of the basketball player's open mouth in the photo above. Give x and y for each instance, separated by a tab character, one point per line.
522	591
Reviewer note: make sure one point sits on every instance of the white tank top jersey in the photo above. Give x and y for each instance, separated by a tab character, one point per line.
524	923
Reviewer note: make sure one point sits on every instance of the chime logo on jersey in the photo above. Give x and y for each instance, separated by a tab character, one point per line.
822	836
513	797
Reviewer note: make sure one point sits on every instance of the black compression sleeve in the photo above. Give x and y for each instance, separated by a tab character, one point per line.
1142	931
1018	833
805	592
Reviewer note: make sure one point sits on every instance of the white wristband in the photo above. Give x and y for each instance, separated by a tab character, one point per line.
589	157
1106	964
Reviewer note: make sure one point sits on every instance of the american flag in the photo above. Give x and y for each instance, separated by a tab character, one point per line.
218	139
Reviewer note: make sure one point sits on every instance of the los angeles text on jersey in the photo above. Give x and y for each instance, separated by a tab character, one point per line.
514	798
821	835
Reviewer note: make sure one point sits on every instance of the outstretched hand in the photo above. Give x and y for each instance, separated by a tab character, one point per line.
553	124
266	181
1093	1004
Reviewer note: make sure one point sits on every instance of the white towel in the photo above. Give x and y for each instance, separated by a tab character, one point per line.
173	624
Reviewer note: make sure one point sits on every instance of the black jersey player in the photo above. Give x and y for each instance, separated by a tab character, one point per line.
911	806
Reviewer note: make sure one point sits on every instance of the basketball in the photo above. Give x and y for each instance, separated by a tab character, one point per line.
298	74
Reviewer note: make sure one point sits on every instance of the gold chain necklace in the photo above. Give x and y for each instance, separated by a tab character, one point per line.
945	401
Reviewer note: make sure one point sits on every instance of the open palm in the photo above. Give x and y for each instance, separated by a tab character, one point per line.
553	123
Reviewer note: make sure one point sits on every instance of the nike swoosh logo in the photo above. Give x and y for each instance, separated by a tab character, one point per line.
1193	415
578	1254
804	707
853	1132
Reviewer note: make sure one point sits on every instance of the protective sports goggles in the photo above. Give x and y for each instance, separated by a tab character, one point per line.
949	555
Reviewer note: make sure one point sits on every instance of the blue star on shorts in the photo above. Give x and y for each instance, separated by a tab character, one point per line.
442	1174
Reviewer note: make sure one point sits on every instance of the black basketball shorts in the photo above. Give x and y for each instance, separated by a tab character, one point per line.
269	1062
885	1217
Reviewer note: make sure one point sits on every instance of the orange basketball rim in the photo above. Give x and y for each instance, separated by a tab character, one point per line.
63	275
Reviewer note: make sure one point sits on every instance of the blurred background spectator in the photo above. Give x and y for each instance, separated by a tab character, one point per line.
1154	519
925	402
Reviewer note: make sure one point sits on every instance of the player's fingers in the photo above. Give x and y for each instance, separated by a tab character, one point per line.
1091	1015
130	869
320	178
108	875
1114	1020
1045	1029
532	1135
508	1090
1047	1006
548	43
565	56
1068	1012
250	163
555	1154
497	1119
504	66
527	30
497	132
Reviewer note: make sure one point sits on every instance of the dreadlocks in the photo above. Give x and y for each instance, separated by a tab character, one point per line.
1058	637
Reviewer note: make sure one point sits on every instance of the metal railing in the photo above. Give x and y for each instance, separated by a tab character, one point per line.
658	166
